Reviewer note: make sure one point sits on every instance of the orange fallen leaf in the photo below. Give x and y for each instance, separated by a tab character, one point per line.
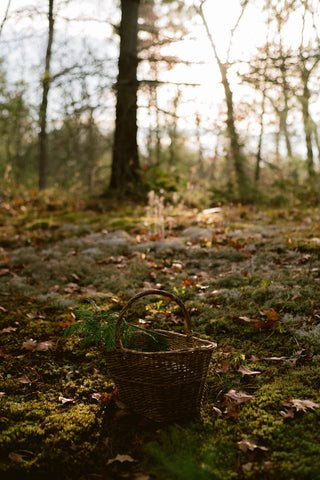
271	314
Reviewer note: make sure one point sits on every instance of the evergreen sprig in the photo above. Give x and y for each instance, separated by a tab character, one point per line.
98	328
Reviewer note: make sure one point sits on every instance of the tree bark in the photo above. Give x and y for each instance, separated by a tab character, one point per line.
307	124
235	146
46	81
125	172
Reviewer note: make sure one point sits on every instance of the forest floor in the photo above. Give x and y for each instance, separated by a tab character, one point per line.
250	279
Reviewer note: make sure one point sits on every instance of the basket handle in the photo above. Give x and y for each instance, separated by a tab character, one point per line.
152	291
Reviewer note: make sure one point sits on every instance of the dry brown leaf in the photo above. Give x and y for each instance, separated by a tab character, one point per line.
141	476
247	467
96	396
2	309
16	457
29	344
121	459
46	345
246	371
224	366
246	319
64	400
275	359
25	379
238	397
300	405
287	413
246	445
2	394
218	411
8	330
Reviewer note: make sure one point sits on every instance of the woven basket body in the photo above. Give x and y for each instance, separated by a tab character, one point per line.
163	386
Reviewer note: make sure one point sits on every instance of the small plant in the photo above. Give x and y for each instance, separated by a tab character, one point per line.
98	328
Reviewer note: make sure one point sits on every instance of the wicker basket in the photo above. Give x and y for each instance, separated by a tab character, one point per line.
166	385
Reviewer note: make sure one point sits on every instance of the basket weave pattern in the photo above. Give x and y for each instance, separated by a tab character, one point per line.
166	385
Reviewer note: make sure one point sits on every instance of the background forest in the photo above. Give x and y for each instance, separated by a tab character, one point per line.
226	97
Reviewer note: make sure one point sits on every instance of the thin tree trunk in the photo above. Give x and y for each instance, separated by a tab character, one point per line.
235	146
307	124
258	157
125	172
200	149
46	81
173	130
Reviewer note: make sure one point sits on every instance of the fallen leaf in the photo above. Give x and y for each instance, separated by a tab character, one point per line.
25	379
2	394
247	467
274	359
29	344
47	345
8	330
141	476
121	459
3	309
271	314
246	371
96	396
300	405
16	457
287	413
246	319
238	397
224	366
34	315
246	445
64	400
218	411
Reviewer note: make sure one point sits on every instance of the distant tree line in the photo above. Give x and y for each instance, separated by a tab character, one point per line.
57	136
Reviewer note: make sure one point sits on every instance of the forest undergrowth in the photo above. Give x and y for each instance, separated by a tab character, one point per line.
250	279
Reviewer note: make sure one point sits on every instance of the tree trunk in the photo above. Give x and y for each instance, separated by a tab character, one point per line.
307	125
44	104
258	157
235	146
125	172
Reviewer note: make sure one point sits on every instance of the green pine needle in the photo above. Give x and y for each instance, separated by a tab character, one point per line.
98	328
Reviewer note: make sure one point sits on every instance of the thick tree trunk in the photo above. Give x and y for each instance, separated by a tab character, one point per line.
125	173
44	104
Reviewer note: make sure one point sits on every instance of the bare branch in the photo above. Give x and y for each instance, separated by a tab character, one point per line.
5	16
233	30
